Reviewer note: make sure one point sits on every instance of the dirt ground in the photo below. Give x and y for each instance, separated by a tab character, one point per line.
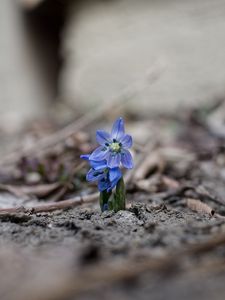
168	244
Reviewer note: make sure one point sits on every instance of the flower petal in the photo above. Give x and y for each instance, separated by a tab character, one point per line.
126	159
113	184
85	156
103	185
102	137
114	174
94	175
113	160
98	165
117	129
126	141
99	154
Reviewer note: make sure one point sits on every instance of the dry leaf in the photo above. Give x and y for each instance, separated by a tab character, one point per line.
199	206
170	183
148	185
151	162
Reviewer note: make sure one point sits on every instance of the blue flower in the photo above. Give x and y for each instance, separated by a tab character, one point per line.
114	147
107	178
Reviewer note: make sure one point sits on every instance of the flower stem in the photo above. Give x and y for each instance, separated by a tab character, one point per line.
114	201
117	201
120	195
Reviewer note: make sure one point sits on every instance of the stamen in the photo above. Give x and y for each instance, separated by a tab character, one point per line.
115	147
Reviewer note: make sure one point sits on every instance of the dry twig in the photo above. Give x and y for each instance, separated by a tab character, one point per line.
65	204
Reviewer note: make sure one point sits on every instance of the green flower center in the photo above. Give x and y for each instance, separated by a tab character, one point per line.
115	146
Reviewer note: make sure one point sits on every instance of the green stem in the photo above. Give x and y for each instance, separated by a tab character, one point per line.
117	201
114	201
120	195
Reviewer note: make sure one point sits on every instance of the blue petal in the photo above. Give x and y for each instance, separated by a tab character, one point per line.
126	141
114	177
126	159
103	185
94	175
113	184
102	137
99	154
98	165
117	129
113	160
114	174
85	156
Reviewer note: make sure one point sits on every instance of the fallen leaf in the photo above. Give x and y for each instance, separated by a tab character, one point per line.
170	183
150	163
148	185
199	206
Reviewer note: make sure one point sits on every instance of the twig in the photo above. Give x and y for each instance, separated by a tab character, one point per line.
65	204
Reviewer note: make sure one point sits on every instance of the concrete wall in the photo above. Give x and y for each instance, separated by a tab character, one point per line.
23	94
110	45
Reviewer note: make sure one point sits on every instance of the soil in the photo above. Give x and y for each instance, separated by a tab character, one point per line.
157	249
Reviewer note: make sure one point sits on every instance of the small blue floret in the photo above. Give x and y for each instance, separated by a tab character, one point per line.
107	178
114	147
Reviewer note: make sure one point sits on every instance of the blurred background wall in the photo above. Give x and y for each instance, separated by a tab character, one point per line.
23	93
81	53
